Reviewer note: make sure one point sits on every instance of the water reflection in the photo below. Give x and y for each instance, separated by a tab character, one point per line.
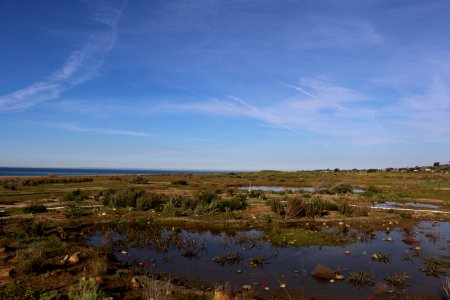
194	255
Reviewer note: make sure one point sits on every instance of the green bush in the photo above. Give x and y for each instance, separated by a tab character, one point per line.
180	182
73	196
343	188
75	212
34	209
374	189
345	209
276	206
326	191
206	197
127	197
85	290
236	203
150	201
138	180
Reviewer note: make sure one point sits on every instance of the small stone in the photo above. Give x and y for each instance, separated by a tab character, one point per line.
375	256
347	252
123	252
341	223
417	249
74	258
135	283
104	214
267	288
339	277
331	280
283	285
239	271
389	239
246	287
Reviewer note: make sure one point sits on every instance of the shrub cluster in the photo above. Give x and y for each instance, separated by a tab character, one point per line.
53	179
138	180
297	207
74	196
180	182
34	209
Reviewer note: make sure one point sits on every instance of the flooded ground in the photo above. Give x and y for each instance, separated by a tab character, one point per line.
200	256
266	188
391	204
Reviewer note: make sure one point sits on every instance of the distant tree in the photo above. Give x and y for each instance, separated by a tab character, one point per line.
436	164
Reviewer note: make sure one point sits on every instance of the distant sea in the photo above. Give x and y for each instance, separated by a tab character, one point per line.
9	171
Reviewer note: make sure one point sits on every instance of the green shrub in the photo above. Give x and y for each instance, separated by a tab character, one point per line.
138	180
33	262
318	207
326	191
127	197
345	209
75	212
85	290
73	196
206	197
343	188
374	189
34	209
150	201
276	206
405	214
180	182
11	185
236	203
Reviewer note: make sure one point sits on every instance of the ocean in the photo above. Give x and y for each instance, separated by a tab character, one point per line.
11	171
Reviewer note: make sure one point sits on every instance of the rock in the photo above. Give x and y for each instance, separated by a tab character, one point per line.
239	271
135	283
339	277
347	252
6	272
283	286
246	287
417	249
341	223
221	295
123	252
389	239
375	256
74	258
267	288
331	280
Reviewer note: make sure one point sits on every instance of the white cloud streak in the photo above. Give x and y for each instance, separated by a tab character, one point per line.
76	128
81	65
327	109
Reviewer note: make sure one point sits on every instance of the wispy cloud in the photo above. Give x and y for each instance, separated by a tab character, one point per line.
76	128
81	65
327	109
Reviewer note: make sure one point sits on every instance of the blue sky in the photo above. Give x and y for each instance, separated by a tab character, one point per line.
224	84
